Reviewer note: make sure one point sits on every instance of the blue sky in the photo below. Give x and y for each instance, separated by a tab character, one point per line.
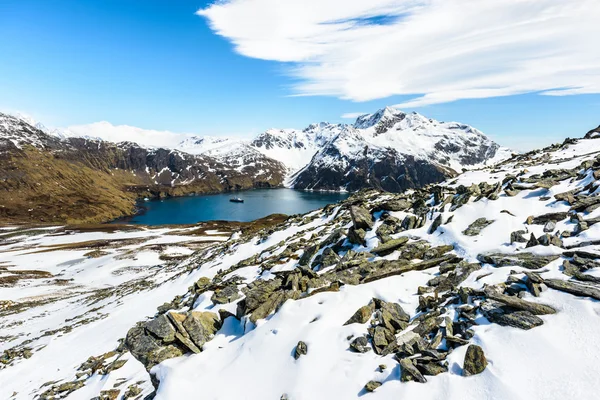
155	64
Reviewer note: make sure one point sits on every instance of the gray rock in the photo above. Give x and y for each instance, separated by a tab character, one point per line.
517	237
475	361
547	240
360	345
362	315
393	317
371	386
329	258
410	372
361	217
551	217
517	303
499	314
435	224
477	226
390	246
550	226
525	260
357	236
161	328
574	288
201	326
301	350
226	295
308	254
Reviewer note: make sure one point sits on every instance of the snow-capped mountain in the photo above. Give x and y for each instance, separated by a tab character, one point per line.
389	149
296	148
393	150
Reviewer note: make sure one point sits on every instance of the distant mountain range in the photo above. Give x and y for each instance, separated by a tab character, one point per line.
389	149
51	175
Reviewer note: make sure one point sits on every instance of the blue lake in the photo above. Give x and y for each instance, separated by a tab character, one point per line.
257	204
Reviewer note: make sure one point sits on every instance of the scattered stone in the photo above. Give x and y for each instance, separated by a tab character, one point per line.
301	350
476	227
574	288
308	254
551	217
390	246
517	303
371	386
525	260
362	315
550	226
382	367
410	372
201	326
475	361
161	328
547	240
497	313
226	295
360	345
517	237
361	218
357	236
436	224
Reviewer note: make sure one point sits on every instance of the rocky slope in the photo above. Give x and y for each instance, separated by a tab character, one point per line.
45	178
485	286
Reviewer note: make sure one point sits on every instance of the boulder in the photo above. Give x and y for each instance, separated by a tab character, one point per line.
550	226
410	372
517	237
525	260
371	386
226	295
301	350
437	222
574	288
475	361
500	314
361	217
201	326
390	246
477	226
357	236
518	303
551	217
362	315
393	317
308	254
161	328
360	345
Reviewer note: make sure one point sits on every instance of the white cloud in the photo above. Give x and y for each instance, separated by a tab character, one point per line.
121	133
352	115
435	50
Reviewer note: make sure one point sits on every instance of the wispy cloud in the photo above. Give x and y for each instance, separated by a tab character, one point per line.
434	50
352	115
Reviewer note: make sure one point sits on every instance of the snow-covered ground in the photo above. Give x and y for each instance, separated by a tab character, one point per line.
120	278
80	293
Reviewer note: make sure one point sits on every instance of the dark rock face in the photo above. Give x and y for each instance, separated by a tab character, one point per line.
389	171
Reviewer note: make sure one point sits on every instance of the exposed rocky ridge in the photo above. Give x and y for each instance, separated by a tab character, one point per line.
49	179
449	271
